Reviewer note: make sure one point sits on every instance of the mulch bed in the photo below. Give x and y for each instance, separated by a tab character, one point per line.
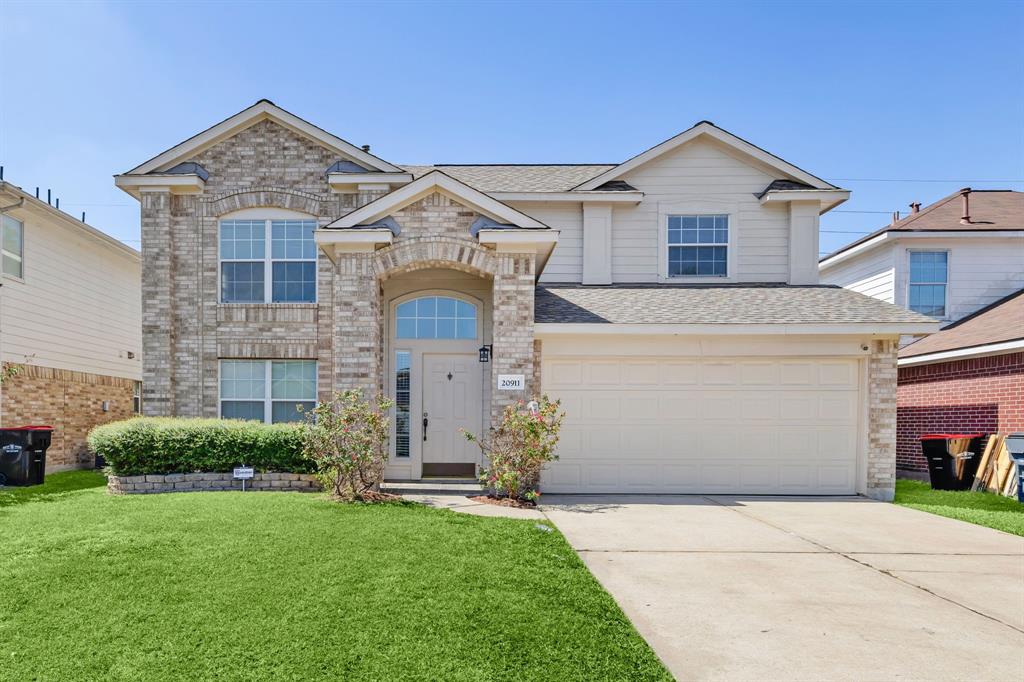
504	501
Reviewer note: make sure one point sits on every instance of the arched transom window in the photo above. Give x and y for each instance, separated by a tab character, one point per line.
435	317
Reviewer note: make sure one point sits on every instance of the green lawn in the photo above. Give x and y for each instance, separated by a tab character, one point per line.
292	586
984	509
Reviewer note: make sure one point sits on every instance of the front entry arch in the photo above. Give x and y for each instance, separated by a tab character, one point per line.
436	379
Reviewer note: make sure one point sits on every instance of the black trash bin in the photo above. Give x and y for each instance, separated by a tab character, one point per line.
23	454
1015	446
952	459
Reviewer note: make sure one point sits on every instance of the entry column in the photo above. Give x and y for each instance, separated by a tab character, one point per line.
358	322
512	333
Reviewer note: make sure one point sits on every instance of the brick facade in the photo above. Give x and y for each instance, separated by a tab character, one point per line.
881	464
982	395
71	402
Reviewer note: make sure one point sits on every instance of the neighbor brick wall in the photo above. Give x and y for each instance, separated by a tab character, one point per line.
71	402
983	395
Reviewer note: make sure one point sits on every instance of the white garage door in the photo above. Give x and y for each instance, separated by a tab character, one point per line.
679	425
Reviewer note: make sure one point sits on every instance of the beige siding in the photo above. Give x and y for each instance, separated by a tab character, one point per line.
872	274
566	263
79	305
701	170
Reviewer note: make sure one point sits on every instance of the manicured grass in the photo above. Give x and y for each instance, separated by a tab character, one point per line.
984	509
292	586
56	487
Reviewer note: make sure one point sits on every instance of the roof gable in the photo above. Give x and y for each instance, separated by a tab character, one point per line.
708	129
436	181
262	110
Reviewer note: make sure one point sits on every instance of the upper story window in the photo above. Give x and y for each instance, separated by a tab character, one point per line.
12	247
267	261
698	245
929	277
435	317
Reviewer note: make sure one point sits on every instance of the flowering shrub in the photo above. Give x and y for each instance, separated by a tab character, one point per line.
346	439
520	447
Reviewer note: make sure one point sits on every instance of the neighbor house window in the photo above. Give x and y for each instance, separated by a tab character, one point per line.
267	261
137	397
435	317
402	365
12	247
929	276
270	391
698	245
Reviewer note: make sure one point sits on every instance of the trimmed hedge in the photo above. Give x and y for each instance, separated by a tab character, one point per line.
165	445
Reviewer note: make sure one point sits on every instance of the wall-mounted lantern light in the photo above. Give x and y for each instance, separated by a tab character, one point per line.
485	353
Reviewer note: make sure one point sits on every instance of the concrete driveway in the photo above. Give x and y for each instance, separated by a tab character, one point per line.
730	588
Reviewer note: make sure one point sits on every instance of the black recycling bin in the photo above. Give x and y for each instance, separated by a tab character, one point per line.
1015	446
23	454
952	459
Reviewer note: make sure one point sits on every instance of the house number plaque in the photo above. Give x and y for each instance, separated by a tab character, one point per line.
511	382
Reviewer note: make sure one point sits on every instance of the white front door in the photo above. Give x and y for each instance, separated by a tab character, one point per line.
452	398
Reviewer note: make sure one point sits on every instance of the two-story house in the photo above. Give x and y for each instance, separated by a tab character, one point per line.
70	325
670	301
960	261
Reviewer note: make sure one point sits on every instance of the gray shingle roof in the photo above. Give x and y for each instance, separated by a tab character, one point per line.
512	178
713	304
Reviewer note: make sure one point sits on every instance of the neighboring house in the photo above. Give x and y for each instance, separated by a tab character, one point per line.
948	260
968	378
671	302
70	309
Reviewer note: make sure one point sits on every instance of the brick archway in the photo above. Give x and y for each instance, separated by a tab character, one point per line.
435	252
263	197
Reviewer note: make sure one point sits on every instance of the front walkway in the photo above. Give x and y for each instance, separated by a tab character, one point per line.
729	588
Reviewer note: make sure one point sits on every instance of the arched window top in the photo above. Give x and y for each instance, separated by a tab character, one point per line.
435	317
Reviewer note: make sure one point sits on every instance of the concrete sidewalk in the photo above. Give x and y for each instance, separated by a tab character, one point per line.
729	588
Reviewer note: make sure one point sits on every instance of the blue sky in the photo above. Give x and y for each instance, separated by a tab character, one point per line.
895	101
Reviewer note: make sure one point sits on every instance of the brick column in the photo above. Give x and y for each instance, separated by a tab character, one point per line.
881	476
157	295
512	333
358	325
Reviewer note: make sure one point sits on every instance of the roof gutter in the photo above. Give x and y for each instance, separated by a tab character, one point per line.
963	353
864	329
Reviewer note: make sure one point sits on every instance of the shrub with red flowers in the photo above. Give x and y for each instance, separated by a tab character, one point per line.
520	447
346	438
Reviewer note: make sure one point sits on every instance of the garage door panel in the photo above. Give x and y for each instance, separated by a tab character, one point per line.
765	425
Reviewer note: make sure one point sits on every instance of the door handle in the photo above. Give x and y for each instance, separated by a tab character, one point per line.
426	422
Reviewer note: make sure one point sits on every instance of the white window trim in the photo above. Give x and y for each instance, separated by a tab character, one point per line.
268	259
20	257
394	392
949	270
697	207
268	401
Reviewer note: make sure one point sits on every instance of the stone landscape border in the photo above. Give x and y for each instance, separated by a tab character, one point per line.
178	483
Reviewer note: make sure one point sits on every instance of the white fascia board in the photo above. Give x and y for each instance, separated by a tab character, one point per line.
573	197
886	330
531	236
346	181
188	183
829	198
854	251
431	182
254	114
963	353
895	235
705	128
69	221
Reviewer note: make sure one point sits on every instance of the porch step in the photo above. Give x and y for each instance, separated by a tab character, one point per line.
433	486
